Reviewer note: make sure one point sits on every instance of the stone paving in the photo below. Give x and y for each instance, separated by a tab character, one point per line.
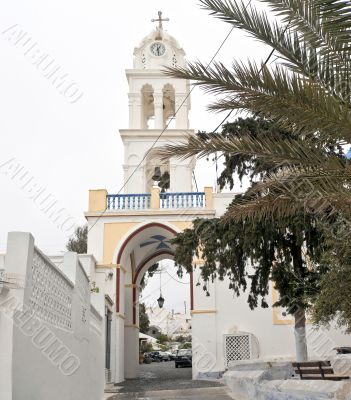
164	381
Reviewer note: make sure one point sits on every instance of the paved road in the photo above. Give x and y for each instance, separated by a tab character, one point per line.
181	394
161	381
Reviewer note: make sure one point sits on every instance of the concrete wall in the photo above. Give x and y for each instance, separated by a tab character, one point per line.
52	328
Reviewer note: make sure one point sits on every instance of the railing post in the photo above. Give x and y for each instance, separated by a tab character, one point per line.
155	197
209	197
97	200
14	304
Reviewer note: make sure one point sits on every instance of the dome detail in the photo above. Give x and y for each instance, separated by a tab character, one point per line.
158	49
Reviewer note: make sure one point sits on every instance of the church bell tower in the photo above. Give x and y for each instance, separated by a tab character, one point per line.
157	103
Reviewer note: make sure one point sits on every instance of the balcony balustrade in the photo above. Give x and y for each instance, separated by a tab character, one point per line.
128	201
100	200
182	200
167	200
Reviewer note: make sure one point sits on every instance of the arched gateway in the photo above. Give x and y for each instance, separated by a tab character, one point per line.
145	245
130	232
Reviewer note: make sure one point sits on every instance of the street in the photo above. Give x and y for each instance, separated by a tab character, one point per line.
164	381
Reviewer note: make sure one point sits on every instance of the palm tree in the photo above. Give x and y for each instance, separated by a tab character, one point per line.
307	91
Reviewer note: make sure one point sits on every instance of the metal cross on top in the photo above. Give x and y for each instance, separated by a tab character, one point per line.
160	20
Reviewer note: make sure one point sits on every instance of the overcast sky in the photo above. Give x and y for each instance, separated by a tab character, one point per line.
175	290
65	147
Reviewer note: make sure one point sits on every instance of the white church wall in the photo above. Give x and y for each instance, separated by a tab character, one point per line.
2	260
56	339
221	201
204	344
274	340
96	238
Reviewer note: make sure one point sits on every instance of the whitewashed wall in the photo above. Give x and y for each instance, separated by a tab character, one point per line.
51	327
232	314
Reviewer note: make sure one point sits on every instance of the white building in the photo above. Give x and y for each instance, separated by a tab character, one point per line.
128	233
167	322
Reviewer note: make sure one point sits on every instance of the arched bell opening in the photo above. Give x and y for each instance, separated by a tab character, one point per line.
157	172
148	107
168	96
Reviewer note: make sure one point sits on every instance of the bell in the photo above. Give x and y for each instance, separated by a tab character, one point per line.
160	301
157	174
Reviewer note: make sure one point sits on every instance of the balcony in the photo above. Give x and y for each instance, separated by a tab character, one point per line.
100	200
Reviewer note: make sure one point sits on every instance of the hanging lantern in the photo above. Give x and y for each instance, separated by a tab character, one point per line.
160	301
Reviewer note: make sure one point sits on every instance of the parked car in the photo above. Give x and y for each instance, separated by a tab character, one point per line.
343	350
166	356
183	358
154	356
170	355
148	359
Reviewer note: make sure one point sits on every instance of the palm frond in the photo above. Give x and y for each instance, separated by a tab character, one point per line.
316	24
287	203
296	104
302	40
333	176
272	149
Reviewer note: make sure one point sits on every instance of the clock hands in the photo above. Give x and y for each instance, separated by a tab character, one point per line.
158	49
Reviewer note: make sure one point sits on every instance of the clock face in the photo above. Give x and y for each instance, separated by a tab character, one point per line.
158	49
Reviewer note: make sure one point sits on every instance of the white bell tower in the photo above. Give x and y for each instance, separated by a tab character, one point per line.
153	100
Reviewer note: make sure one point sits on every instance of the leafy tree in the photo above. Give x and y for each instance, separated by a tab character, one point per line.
180	339
146	347
79	243
250	251
333	303
149	274
251	254
162	338
185	346
144	322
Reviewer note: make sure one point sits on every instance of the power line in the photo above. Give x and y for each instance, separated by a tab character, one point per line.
183	283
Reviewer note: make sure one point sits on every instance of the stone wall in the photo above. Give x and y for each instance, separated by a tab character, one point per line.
261	380
51	327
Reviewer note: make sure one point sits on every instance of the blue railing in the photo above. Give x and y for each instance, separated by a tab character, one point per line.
167	200
128	201
182	200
